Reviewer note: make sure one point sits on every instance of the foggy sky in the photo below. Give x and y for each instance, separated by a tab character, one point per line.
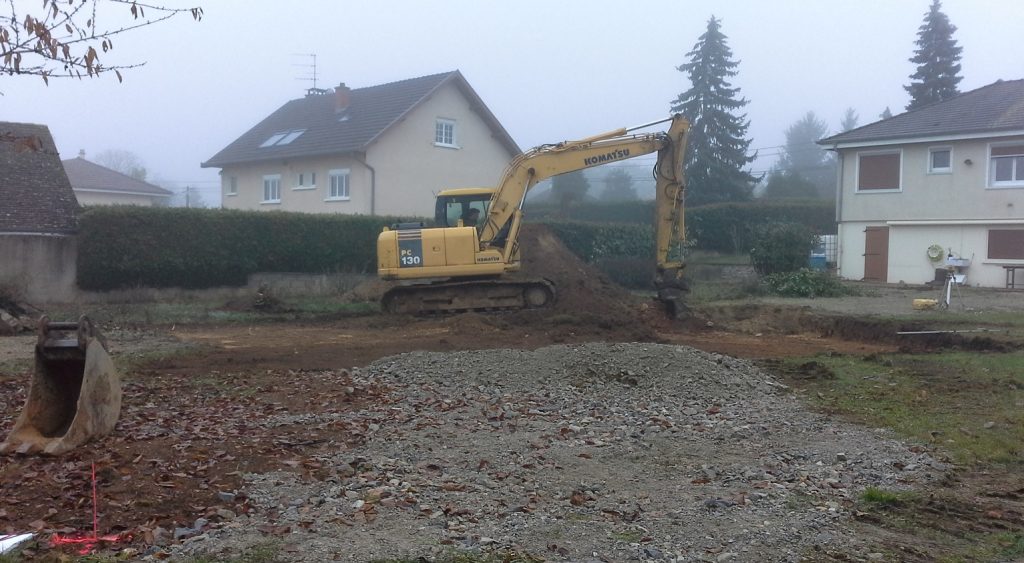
549	71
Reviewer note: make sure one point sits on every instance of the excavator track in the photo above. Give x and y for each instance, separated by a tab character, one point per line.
474	295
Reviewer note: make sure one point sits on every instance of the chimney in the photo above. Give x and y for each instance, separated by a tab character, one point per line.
81	153
341	97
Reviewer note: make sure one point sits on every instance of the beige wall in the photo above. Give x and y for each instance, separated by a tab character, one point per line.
42	268
963	194
908	246
306	199
100	198
410	169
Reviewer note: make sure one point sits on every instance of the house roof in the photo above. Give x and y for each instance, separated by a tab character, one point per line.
995	108
85	175
371	111
34	190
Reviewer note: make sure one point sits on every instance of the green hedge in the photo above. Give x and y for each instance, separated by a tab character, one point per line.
596	241
121	247
724	227
730	227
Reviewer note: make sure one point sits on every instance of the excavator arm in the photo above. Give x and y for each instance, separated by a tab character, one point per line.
504	216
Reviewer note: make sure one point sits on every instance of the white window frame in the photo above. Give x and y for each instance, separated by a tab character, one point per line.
232	188
946	170
268	181
300	178
332	186
990	181
856	176
282	138
439	133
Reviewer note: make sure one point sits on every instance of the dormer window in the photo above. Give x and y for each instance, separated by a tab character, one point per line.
282	138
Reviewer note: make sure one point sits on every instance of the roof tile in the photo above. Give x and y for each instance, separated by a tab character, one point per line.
85	175
35	195
993	108
370	112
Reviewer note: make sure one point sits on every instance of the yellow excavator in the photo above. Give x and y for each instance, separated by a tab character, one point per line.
461	263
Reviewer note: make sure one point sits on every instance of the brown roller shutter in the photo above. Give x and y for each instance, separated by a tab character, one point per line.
1008	150
879	172
1006	244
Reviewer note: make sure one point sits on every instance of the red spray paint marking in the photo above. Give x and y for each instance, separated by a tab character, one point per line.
88	542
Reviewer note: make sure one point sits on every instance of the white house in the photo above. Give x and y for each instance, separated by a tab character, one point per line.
380	150
946	179
98	185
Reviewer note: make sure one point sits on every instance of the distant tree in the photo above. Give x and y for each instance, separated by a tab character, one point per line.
717	150
850	119
618	186
124	161
187	196
62	38
786	184
803	159
937	58
886	114
569	188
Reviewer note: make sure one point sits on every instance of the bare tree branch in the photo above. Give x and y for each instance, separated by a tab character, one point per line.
63	38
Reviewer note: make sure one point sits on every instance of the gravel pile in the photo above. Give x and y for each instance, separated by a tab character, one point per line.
604	452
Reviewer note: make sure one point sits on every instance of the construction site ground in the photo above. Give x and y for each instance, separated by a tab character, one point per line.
321	438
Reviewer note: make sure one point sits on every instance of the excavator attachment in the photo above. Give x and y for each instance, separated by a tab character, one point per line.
672	289
75	394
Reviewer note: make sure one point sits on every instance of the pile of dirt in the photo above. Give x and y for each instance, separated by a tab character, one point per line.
632	452
586	297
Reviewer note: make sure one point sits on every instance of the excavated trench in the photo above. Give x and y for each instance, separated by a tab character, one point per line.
754	318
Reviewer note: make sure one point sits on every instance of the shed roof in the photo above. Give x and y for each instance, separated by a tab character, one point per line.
35	194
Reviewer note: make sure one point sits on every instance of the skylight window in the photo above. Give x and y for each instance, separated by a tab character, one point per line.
282	138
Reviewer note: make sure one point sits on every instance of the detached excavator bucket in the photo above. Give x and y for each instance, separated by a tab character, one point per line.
75	393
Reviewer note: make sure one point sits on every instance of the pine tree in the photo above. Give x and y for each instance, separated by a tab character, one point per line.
717	150
850	119
618	186
568	189
803	157
937	58
886	114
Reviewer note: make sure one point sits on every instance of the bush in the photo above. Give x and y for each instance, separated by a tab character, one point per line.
805	283
781	247
123	247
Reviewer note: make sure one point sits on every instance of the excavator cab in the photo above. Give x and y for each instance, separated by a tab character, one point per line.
456	204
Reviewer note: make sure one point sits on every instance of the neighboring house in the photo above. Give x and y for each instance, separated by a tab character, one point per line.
946	178
37	215
381	150
98	185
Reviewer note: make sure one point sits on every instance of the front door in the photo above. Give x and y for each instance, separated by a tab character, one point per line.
876	254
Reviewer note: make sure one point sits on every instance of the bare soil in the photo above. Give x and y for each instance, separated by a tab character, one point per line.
191	425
